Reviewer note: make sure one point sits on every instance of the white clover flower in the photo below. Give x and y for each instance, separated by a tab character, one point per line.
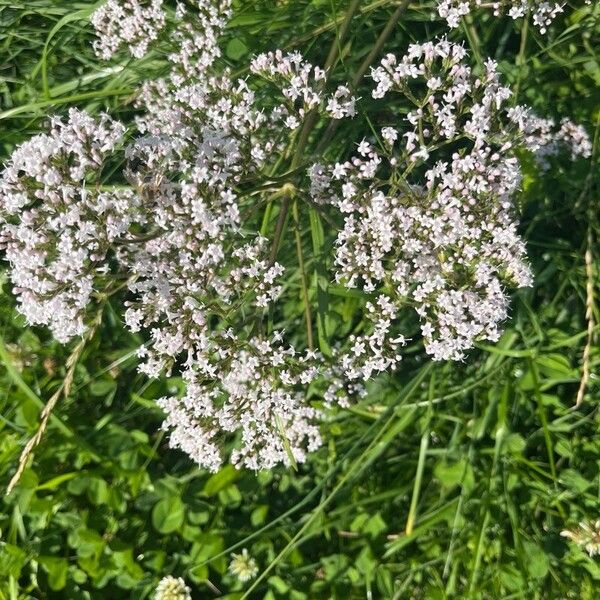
243	566
171	588
587	536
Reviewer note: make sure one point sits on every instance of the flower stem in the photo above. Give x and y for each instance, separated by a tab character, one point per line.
307	315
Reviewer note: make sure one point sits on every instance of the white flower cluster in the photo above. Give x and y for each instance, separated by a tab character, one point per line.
199	267
257	389
196	36
542	11
424	231
57	223
130	23
302	87
541	137
197	271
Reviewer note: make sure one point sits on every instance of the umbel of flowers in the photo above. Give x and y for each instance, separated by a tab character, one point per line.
543	12
427	213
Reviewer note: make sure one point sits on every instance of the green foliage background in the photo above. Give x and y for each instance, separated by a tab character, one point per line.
483	463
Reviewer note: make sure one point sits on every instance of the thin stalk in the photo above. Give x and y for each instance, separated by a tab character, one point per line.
381	40
364	66
500	435
412	513
303	279
478	553
307	127
543	418
283	213
63	390
455	522
473	38
339	38
64	100
521	59
589	315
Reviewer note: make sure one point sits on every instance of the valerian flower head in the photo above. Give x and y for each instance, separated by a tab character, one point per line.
58	224
542	11
131	23
440	233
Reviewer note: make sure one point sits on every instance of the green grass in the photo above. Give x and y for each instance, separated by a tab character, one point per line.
447	481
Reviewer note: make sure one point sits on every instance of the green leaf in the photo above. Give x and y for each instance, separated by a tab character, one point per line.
537	563
450	474
199	574
55	482
235	49
57	569
515	443
385	582
87	542
556	366
322	280
259	515
98	491
278	584
102	387
366	562
12	560
375	525
219	481
574	481
168	514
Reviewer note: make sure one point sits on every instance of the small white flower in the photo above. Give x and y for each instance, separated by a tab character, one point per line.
587	536
243	566
171	588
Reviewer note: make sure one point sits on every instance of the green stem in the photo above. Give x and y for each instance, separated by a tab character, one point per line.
281	220
339	38
412	513
364	66
307	315
521	59
381	40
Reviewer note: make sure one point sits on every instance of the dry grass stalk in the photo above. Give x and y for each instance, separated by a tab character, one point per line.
589	315
63	390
